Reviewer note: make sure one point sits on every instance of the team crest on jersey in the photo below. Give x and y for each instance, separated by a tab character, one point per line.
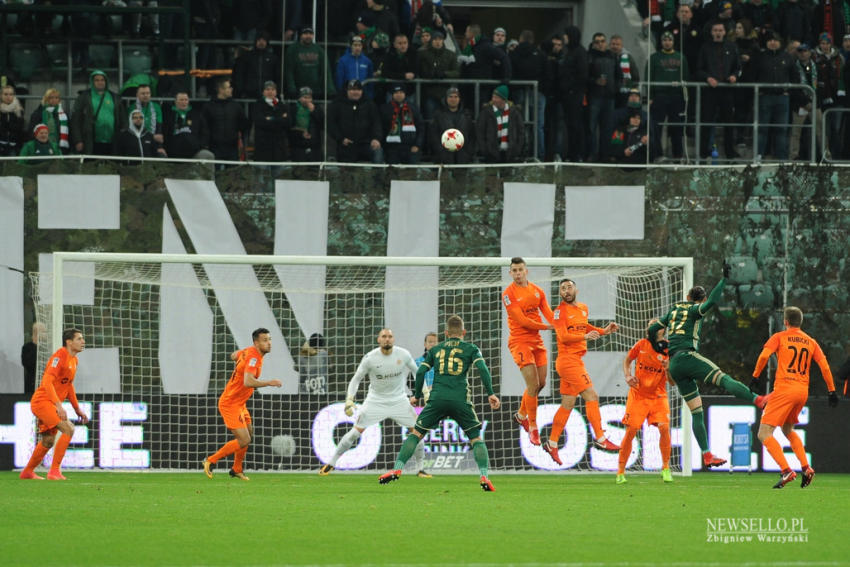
584	313
557	315
660	357
507	300
537	295
252	362
55	362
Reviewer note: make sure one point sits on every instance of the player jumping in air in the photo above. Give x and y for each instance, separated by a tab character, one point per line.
450	397
57	385
573	332
688	366
231	404
524	302
795	351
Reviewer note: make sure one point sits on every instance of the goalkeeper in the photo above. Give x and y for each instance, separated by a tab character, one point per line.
688	367
450	397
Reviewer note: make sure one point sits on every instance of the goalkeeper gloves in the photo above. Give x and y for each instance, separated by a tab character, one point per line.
349	407
755	385
726	269
833	399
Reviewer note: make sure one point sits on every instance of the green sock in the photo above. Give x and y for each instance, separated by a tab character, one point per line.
736	388
698	418
407	449
482	459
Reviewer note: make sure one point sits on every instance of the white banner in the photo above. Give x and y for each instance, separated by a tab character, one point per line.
604	213
77	282
98	371
79	201
12	333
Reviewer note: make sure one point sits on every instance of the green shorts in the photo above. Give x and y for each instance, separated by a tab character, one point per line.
689	367
460	411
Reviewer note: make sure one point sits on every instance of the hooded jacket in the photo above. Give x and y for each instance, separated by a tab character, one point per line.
135	142
573	71
84	114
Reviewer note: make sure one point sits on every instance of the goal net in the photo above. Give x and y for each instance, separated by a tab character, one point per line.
160	329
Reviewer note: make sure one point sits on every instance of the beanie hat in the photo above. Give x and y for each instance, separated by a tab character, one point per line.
501	91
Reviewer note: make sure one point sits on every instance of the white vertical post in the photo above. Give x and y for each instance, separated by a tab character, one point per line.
56	319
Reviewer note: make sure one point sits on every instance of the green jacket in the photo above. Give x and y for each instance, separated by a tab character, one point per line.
307	66
83	116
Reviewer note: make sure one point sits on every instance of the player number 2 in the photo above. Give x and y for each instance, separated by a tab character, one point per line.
450	364
800	359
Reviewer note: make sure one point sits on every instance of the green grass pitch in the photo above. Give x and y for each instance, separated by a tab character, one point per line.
102	518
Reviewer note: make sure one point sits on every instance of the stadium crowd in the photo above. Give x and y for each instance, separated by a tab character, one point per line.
377	100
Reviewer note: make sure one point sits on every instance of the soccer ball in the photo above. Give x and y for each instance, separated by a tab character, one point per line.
283	445
452	139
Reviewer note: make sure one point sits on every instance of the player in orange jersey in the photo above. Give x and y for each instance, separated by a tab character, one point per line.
231	404
795	351
647	401
524	302
57	385
573	332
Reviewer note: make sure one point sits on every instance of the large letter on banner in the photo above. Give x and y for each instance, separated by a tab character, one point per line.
528	218
11	284
212	231
414	230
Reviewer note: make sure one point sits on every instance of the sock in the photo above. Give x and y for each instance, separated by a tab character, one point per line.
665	446
523	407
562	416
37	456
482	459
238	457
348	440
594	417
59	451
699	429
798	448
407	449
772	446
419	454
626	449
531	409
736	388
227	449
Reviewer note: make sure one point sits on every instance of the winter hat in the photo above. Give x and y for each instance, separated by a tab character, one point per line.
304	91
501	91
39	127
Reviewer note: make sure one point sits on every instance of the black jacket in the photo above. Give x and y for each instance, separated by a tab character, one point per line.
182	135
356	120
252	69
12	135
599	64
271	131
128	143
776	67
718	60
224	121
572	71
528	63
460	120
414	138
490	62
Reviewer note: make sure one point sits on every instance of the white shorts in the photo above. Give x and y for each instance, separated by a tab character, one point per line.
372	412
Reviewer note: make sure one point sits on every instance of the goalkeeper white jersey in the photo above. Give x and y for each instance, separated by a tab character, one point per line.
387	375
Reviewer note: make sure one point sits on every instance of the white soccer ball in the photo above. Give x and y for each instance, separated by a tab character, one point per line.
452	139
283	445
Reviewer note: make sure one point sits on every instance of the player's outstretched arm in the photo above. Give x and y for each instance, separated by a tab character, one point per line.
251	381
713	297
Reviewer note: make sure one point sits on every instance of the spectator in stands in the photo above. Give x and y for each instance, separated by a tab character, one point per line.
152	112
529	64
830	16
553	50
500	131
404	129
687	37
98	116
762	16
226	124
377	17
248	19
719	63
723	15
747	42
512	44
271	126
51	113
801	104
11	122
354	127
183	128
572	78
500	39
355	65
29	357
436	62
452	115
41	145
845	49
795	21
603	76
774	65
378	47
431	15
629	72
667	103
830	90
422	39
206	16
136	19
634	103
136	140
307	65
253	68
629	140
480	59
400	64
305	136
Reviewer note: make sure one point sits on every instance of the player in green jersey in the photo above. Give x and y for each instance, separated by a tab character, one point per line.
450	397
687	366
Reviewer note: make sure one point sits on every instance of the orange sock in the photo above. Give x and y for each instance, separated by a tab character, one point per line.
227	449
772	446
664	445
37	456
523	411
626	449
798	448
59	451
562	416
595	418
238	457
531	408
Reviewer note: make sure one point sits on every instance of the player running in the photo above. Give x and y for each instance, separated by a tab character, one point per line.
387	367
450	397
57	385
688	366
231	404
573	332
524	302
647	401
795	351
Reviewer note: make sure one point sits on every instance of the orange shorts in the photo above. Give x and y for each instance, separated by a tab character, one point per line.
654	410
526	353
574	377
48	417
784	407
235	417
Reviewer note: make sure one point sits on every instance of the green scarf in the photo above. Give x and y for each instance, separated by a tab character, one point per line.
104	120
470	44
302	117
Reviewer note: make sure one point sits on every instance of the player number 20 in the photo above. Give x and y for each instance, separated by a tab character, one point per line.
799	361
450	364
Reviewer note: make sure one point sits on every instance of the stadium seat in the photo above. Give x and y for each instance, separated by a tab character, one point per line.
137	60
57	56
744	269
756	296
26	60
101	55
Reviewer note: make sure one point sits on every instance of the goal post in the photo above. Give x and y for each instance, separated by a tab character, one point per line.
160	328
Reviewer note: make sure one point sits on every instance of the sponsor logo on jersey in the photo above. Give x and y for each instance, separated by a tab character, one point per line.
507	300
55	362
252	362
